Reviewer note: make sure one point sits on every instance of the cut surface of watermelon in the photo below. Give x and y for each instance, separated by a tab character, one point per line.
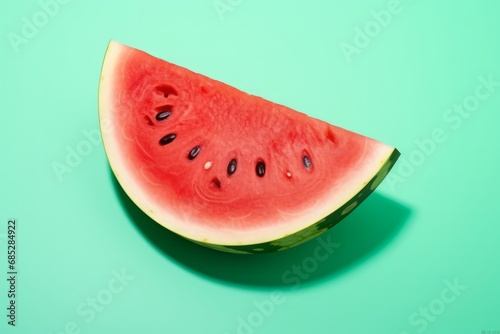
224	168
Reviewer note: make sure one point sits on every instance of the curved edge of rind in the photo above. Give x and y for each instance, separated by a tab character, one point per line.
317	228
101	109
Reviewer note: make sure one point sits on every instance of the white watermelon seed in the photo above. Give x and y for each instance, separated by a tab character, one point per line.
208	164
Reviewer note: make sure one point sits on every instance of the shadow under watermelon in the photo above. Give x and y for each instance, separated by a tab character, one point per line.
357	238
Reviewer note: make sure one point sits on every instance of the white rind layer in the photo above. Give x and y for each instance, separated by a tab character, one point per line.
170	219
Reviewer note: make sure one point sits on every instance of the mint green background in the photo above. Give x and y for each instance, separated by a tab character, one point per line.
396	250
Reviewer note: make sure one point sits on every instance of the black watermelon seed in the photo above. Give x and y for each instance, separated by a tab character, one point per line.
194	152
162	115
260	169
167	139
307	162
231	167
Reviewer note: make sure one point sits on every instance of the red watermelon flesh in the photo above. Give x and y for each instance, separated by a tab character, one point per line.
222	167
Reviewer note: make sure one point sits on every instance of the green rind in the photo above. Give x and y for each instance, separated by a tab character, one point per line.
319	227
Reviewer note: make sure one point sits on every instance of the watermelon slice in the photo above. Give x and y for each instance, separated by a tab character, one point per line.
223	168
